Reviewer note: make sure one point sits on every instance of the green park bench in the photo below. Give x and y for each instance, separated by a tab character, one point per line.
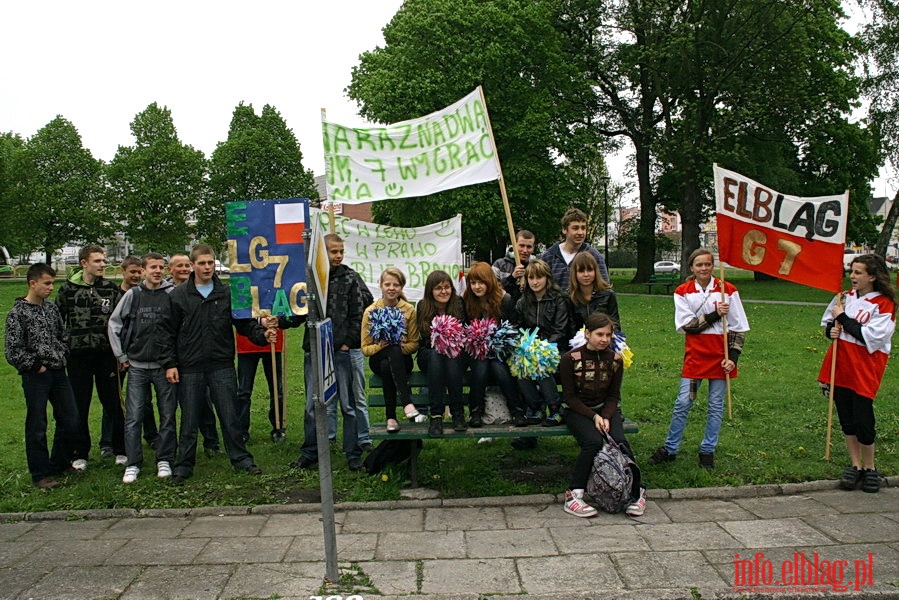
666	280
419	431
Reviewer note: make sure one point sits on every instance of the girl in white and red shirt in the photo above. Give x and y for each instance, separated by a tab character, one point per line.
699	311
862	327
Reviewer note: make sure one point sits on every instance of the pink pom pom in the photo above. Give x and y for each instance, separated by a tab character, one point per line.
477	338
447	335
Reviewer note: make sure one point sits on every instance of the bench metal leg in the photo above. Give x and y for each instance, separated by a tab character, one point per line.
413	463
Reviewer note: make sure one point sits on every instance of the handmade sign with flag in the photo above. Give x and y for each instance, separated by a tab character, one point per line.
790	237
267	257
446	149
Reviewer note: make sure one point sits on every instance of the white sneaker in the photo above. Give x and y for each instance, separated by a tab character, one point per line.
131	474
575	505
121	459
163	469
636	509
79	464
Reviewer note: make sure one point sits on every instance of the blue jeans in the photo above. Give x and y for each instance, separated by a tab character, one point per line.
137	396
50	386
344	371
487	370
444	376
191	392
246	376
682	407
363	425
539	394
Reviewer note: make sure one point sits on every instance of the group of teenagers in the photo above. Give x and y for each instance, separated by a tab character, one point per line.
181	341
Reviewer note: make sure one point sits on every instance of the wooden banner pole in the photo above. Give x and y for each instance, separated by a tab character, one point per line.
833	373
730	413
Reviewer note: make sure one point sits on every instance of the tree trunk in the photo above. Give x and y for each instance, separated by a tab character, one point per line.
690	212
646	236
886	234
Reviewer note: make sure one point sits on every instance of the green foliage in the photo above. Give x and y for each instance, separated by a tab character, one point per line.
260	160
10	235
436	52
58	190
157	183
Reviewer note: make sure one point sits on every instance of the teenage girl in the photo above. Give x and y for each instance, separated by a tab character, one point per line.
542	305
485	299
588	293
444	373
393	363
591	387
863	328
698	314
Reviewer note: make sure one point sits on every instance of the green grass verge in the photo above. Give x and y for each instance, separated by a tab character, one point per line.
776	434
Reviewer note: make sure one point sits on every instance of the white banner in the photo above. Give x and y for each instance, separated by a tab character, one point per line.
447	149
370	248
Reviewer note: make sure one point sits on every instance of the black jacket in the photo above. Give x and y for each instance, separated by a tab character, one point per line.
601	301
204	328
35	337
85	310
348	297
550	314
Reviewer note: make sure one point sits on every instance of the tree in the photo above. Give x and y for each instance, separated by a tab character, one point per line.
880	64
10	234
261	159
157	183
59	190
436	52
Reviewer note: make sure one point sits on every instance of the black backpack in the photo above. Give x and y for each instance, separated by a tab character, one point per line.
389	452
126	334
614	478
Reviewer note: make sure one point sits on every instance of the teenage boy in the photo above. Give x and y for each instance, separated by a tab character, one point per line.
204	353
86	301
132	272
560	254
248	357
142	340
510	275
348	297
179	271
36	346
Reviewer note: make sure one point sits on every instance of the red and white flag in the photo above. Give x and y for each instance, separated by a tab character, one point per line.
790	237
289	223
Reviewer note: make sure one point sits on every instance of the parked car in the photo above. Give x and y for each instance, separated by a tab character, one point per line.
666	266
220	268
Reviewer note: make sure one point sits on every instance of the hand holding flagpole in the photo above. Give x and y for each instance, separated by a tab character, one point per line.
730	414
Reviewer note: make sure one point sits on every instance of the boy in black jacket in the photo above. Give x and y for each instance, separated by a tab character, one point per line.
204	351
36	346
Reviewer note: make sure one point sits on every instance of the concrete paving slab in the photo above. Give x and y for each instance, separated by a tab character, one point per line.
856	528
66	530
309	523
376	521
13	581
779	507
225	526
243	550
892	515
89	553
549	515
393	577
772	533
686	511
83	583
145	528
464	519
11	531
350	547
886	500
483	577
514	543
666	569
578	573
611	538
156	551
275	579
420	545
203	582
12	553
687	536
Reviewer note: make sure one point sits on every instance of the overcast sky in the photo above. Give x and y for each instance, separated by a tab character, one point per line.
100	62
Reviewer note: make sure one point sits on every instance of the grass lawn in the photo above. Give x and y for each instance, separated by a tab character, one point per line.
776	434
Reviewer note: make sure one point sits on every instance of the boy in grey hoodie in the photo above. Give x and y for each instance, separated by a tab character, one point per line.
142	340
